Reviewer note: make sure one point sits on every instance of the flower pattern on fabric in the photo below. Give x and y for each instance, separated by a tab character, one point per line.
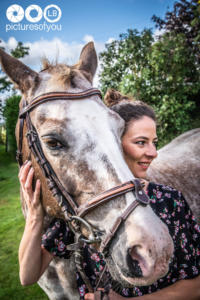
174	211
57	237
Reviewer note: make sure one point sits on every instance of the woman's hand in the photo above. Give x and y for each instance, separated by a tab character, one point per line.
89	296
33	260
32	198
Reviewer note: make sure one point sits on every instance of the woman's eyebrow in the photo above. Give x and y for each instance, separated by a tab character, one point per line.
145	138
141	137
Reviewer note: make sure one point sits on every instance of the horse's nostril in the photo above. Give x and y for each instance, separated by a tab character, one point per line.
133	264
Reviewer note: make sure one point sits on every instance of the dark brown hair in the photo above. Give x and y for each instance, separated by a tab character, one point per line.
128	108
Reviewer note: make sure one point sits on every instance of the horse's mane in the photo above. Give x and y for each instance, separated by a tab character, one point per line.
63	72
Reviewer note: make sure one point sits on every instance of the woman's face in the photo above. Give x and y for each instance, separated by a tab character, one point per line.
139	145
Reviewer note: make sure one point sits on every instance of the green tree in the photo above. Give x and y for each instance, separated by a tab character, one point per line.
185	19
10	113
7	86
123	57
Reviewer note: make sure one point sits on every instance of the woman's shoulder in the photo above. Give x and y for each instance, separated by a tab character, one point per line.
154	188
168	199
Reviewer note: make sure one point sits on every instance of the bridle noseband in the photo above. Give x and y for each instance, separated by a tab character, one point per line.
73	213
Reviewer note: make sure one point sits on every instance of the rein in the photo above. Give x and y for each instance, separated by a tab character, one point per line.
73	213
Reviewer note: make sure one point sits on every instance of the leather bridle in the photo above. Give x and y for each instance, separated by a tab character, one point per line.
73	213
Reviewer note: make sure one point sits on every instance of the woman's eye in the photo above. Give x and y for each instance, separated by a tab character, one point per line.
140	143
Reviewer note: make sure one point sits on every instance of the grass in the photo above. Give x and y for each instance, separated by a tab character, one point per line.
11	229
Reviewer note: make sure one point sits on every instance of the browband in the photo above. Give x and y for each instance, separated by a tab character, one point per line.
58	96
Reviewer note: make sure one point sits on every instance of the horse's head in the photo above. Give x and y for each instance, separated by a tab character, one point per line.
81	140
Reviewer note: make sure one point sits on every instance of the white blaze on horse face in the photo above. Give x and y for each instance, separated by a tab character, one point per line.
91	134
101	129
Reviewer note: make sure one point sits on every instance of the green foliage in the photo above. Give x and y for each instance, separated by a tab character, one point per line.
20	51
124	57
184	19
11	230
2	134
163	72
10	113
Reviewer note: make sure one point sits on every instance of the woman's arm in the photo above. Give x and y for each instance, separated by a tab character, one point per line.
188	289
33	260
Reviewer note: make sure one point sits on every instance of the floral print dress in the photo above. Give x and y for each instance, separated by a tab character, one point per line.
173	210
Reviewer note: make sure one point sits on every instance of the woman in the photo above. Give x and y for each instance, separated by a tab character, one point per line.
139	145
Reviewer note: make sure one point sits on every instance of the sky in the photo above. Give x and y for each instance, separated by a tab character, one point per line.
58	29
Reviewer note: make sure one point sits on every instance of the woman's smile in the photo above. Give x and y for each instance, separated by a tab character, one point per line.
144	165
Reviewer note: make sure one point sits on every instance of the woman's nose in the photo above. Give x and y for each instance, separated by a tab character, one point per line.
151	151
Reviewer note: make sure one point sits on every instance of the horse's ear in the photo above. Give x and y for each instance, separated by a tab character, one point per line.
21	75
88	61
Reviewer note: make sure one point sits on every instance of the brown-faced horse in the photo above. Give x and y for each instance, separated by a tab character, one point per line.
77	141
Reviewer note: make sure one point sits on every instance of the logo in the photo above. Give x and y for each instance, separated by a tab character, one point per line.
33	14
52	13
30	12
15	13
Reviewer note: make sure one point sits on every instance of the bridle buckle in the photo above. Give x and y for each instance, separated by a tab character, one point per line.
140	194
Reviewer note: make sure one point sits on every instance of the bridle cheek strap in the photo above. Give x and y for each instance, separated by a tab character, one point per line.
105	197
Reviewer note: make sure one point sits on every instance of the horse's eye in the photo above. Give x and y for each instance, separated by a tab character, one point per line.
53	144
